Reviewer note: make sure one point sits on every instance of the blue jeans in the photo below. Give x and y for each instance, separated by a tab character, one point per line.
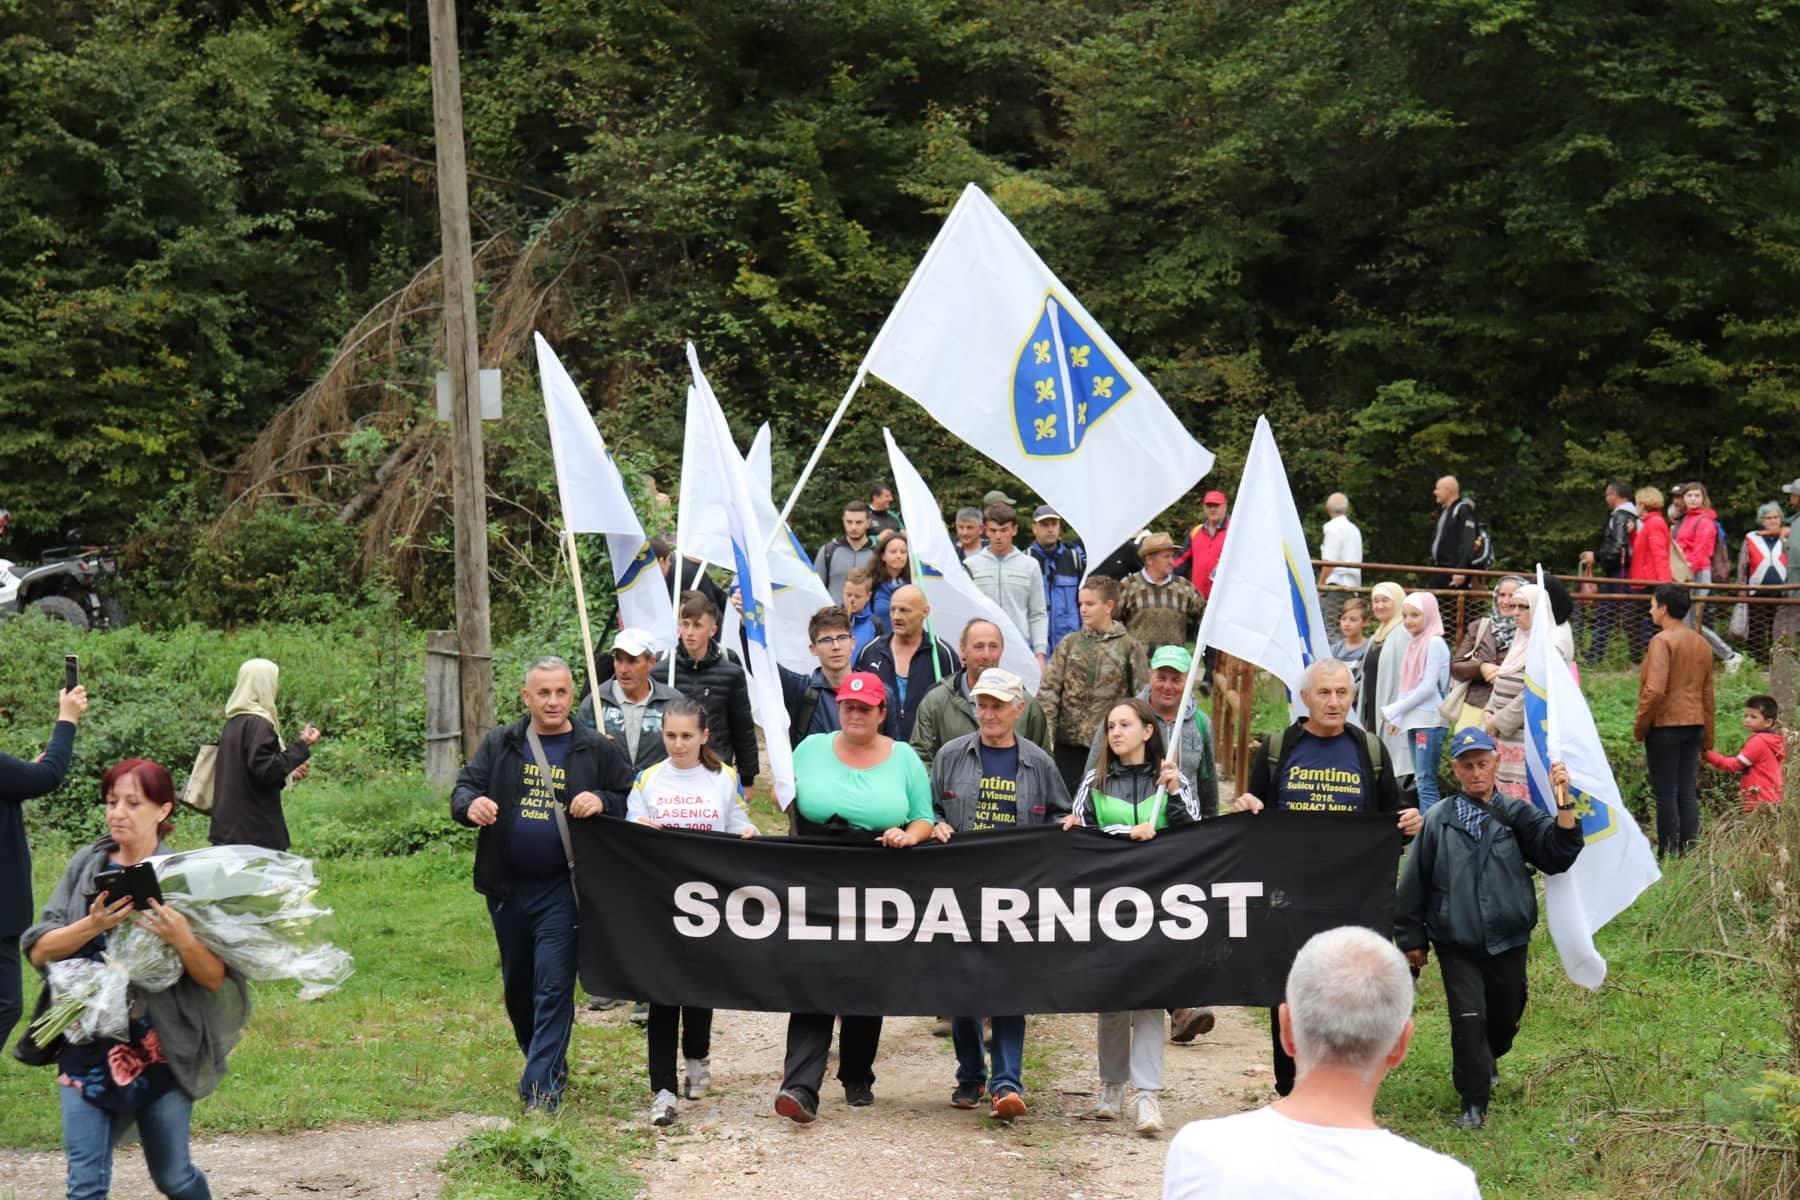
1009	1052
1426	744
535	927
163	1126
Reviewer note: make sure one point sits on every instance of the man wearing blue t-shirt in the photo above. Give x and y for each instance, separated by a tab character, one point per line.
522	860
1321	765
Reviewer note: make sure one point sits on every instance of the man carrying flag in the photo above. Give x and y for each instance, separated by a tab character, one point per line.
1466	891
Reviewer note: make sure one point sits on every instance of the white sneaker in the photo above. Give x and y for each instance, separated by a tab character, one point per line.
1733	663
662	1109
699	1077
1111	1101
1148	1113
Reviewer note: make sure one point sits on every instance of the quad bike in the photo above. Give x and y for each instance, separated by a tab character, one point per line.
66	586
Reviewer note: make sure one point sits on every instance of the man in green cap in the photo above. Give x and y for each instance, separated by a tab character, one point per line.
1168	674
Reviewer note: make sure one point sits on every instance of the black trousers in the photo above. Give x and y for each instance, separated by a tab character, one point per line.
1486	996
1071	764
1673	755
696	1042
1284	1062
809	1045
12	988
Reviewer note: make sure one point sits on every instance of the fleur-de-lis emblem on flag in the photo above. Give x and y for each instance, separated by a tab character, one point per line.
1046	390
1041	351
1063	383
1045	427
1103	386
1078	355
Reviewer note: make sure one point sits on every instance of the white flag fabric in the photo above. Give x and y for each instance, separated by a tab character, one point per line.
953	596
1265	606
594	501
798	592
1617	863
711	455
1006	358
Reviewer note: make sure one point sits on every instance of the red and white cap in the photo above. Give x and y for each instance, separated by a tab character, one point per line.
864	687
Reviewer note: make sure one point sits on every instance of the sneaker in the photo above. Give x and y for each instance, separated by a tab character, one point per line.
966	1095
1110	1103
698	1078
1186	1024
859	1095
1007	1106
793	1104
1473	1117
640	1014
1148	1114
662	1109
602	1003
1733	663
940	1027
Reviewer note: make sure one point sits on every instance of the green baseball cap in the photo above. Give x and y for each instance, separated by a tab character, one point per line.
1174	657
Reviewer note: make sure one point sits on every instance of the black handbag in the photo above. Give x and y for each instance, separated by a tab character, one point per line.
26	1049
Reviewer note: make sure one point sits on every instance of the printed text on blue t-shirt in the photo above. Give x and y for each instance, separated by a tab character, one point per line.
1322	775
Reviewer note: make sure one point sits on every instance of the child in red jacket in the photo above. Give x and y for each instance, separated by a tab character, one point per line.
1759	762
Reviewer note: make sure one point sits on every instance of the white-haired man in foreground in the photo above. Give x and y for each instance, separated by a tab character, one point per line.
1347	1022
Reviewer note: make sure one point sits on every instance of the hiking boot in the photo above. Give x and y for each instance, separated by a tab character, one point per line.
793	1104
940	1027
640	1014
698	1078
1110	1103
966	1095
602	1003
1007	1106
1147	1113
1186	1024
662	1109
1473	1117
859	1095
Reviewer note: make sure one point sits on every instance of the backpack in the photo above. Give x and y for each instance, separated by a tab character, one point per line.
1483	552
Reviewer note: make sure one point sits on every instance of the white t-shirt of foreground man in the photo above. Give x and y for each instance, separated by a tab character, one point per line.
1347	1022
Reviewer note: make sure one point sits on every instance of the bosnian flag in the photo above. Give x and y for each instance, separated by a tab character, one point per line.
1265	605
1617	863
594	501
711	457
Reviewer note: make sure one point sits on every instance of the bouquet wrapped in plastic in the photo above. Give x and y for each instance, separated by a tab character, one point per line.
254	908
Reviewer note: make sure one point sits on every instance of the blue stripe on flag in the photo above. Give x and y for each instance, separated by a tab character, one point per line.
634	568
1595	816
1297	598
755	619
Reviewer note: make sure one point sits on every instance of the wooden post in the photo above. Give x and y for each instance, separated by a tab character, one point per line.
443	708
1246	699
461	354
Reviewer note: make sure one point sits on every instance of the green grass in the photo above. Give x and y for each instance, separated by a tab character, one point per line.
418	1032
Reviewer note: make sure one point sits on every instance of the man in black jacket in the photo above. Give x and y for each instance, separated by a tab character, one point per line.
1613	560
1453	536
1320	764
909	660
1466	889
707	672
522	862
21	781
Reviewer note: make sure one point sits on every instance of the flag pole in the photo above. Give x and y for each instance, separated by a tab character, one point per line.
1188	704
937	672
862	373
681	510
587	636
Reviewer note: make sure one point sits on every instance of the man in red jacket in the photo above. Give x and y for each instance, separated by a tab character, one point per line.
1206	542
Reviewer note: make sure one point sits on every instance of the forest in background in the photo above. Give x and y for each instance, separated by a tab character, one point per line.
1534	245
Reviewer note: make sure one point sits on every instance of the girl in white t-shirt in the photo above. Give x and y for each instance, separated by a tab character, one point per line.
691	789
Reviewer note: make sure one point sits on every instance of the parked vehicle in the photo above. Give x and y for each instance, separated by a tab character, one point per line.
68	585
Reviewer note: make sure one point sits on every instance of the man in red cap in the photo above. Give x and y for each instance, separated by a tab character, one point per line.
1206	542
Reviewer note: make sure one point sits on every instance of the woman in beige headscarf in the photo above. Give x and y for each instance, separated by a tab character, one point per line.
254	763
1504	715
1381	672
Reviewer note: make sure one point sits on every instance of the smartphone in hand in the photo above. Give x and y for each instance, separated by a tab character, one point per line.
71	672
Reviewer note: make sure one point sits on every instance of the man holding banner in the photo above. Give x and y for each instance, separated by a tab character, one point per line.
1467	890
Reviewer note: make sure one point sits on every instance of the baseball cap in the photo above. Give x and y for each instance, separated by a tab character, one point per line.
863	687
635	642
1174	657
1213	498
1044	512
1469	739
1792	489
1001	685
998	497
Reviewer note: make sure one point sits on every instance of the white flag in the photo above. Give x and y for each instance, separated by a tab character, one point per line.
711	455
1265	606
594	501
1004	356
954	598
798	592
1616	864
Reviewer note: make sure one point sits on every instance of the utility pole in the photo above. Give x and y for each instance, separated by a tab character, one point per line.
461	350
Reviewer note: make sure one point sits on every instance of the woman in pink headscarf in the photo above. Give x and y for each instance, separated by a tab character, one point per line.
1424	679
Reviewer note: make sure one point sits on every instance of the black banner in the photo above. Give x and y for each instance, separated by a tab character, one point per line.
1023	921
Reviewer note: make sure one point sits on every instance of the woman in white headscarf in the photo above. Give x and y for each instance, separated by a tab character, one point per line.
1382	663
254	763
